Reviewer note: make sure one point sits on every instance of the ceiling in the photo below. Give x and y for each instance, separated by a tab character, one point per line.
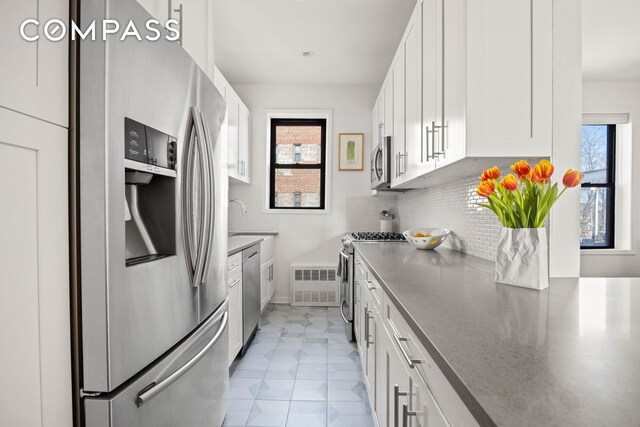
611	39
353	41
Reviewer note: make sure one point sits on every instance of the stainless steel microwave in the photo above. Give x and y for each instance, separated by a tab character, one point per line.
381	165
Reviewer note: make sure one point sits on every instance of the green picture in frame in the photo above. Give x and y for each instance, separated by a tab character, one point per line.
351	152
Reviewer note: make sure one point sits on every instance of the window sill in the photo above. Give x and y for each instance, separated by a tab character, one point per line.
298	211
607	252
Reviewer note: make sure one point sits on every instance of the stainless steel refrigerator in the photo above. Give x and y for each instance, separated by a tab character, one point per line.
152	232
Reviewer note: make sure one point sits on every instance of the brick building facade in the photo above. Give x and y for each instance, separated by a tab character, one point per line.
298	145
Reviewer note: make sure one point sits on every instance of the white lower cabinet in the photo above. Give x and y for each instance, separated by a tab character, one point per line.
266	283
267	270
234	266
405	386
34	273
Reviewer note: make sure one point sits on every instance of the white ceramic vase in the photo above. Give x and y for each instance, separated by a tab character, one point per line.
521	258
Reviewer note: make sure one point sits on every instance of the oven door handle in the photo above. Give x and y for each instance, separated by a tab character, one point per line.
342	312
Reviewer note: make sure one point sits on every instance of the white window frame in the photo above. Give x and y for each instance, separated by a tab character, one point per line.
301	114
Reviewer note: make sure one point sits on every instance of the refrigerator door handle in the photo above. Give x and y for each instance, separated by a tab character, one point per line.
155	388
211	193
196	266
187	197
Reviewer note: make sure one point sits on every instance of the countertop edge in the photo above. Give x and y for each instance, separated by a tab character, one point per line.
252	233
244	246
467	397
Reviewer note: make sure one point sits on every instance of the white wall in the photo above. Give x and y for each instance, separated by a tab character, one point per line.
617	97
564	242
313	238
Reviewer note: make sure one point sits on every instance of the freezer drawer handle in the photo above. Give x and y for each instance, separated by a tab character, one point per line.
154	389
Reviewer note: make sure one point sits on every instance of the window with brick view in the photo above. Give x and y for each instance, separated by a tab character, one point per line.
297	164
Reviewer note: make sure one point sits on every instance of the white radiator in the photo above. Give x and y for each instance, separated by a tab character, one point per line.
316	285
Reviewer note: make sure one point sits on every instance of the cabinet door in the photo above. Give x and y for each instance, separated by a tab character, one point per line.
431	83
235	316
233	112
34	266
266	283
397	382
197	31
451	138
34	77
381	117
388	107
398	166
414	149
422	409
509	95
371	338
244	143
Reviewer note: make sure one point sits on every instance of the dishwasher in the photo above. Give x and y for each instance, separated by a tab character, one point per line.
250	294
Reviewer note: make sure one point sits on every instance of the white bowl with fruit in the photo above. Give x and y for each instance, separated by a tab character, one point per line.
426	238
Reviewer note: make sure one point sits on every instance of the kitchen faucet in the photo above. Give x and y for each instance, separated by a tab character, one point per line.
241	203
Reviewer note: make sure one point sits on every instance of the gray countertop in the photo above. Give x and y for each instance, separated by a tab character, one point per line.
240	243
565	356
252	233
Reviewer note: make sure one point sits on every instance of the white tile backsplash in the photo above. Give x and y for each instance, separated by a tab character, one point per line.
363	213
453	206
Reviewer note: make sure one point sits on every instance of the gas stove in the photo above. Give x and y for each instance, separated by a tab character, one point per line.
371	236
376	236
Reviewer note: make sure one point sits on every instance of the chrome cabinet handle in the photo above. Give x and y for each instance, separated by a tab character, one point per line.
179	11
402	158
367	317
436	129
366	325
155	388
426	146
396	404
406	413
235	283
411	362
370	285
233	267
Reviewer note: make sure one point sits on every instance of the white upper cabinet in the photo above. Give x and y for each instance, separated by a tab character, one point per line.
197	31
34	76
236	130
196	24
485	91
412	46
387	120
398	161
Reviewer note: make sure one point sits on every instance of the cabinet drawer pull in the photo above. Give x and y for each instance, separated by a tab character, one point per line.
233	267
370	285
406	413
367	317
411	362
396	404
234	283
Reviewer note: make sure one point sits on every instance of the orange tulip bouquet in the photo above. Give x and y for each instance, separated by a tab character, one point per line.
522	203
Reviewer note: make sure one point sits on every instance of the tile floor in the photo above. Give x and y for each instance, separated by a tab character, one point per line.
300	371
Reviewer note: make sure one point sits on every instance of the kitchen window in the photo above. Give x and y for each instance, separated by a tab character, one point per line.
597	201
298	153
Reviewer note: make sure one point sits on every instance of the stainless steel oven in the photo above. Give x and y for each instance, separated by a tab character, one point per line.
381	165
346	272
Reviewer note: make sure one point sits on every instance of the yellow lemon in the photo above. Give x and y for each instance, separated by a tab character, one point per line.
419	235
